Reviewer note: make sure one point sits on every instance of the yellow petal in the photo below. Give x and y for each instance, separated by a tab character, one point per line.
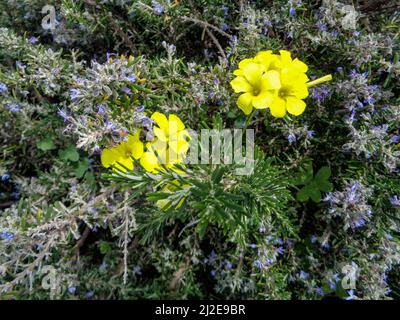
300	91
299	66
123	163
286	58
179	146
175	121
137	149
278	107
149	162
238	72
295	106
263	100
160	134
240	84
271	80
252	72
244	102
161	120
245	62
108	157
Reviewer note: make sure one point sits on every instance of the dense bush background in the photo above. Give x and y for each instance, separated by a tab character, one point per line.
67	93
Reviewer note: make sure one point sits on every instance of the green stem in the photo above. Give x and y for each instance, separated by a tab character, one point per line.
249	119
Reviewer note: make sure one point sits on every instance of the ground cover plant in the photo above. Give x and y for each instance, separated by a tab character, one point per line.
100	102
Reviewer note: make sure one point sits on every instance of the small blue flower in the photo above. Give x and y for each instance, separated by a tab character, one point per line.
351	295
353	73
74	93
310	133
132	78
292	11
63	114
321	26
13	107
127	90
303	275
101	109
3	88
72	290
280	250
258	264
395	139
395	201
15	195
319	291
5	177
8	236
137	270
157	7
314	239
33	40
89	295
213	273
291	138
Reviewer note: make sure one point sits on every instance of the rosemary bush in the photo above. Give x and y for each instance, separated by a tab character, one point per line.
322	203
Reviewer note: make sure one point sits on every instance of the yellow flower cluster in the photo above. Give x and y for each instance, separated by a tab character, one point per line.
274	81
168	148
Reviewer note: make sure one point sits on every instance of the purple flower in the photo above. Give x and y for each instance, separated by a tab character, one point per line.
3	88
314	239
157	7
13	107
213	273
369	100
89	295
74	94
72	290
321	26
8	236
127	90
137	270
5	177
63	114
351	295
319	291
33	40
394	201
258	264
353	73
334	33
101	109
291	138
132	78
303	275
310	133
292	11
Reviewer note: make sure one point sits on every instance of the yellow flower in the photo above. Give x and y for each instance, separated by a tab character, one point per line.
120	156
273	81
256	85
170	145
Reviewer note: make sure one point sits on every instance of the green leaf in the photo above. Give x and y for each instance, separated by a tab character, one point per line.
46	144
314	193
302	194
305	175
323	175
83	166
325	186
104	247
70	154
